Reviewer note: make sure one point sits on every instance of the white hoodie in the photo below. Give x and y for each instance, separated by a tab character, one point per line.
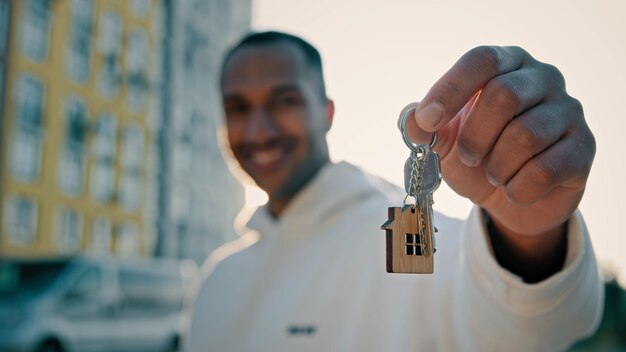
315	280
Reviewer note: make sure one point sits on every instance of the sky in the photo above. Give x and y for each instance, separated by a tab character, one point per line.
381	55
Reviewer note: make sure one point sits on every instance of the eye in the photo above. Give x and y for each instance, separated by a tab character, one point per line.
235	109
288	100
285	101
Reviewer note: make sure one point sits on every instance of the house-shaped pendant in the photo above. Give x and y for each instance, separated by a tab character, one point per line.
409	249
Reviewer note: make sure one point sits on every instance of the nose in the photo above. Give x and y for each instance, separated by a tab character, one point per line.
261	127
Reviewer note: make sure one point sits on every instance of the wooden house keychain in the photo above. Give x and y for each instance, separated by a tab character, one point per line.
409	230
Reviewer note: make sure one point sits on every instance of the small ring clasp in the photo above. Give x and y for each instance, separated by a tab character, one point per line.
418	148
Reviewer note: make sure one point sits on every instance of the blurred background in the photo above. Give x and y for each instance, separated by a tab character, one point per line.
113	187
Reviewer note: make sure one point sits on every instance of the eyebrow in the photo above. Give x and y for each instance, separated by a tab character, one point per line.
232	97
284	89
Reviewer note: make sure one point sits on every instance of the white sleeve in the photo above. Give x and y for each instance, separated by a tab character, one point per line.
491	309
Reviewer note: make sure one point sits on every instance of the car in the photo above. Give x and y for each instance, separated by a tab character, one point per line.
91	304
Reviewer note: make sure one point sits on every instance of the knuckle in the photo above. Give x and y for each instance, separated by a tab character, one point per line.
523	136
591	141
504	93
587	149
543	173
552	70
451	88
516	195
585	168
576	107
487	56
554	74
517	50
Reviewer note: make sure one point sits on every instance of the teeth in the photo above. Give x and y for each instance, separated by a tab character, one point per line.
266	157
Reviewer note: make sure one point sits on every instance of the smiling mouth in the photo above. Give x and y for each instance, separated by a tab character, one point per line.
266	157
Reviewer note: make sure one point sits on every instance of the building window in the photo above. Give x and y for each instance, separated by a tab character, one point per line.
132	156
68	231
110	45
136	67
71	166
128	240
130	190
140	7
26	137
20	220
79	51
101	236
110	76
4	25
35	26
103	149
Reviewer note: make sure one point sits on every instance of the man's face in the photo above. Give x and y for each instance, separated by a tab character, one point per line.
276	116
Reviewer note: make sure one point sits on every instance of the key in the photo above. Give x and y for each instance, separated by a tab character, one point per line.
426	227
431	179
408	170
429	182
409	230
431	176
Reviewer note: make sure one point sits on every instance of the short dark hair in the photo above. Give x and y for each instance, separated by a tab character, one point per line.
312	56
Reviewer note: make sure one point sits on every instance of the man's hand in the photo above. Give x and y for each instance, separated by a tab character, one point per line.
511	140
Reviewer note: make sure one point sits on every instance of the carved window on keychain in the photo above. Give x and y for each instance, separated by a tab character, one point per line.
413	244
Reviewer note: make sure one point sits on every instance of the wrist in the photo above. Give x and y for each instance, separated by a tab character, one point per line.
532	257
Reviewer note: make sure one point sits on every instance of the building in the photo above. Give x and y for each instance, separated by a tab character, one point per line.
203	196
108	137
74	129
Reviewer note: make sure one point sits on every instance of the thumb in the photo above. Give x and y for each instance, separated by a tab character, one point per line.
415	133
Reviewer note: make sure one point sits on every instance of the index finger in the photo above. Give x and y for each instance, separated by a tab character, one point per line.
466	77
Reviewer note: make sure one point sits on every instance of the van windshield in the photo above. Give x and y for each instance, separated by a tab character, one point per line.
28	277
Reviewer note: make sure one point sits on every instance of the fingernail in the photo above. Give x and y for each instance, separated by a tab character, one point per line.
492	180
468	159
429	116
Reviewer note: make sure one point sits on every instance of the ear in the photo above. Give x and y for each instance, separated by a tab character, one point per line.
330	113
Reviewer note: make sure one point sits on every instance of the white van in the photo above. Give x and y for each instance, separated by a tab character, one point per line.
86	304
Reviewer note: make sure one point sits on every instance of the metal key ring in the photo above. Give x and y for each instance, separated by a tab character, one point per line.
413	146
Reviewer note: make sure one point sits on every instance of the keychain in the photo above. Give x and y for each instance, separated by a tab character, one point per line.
410	232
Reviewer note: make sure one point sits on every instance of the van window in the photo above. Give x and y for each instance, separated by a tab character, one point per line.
150	292
87	286
28	277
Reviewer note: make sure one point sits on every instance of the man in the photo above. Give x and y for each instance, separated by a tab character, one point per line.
518	274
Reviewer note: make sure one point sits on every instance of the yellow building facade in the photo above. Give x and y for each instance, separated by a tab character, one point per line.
75	133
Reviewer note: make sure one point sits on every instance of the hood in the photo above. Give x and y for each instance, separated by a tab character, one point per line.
335	187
